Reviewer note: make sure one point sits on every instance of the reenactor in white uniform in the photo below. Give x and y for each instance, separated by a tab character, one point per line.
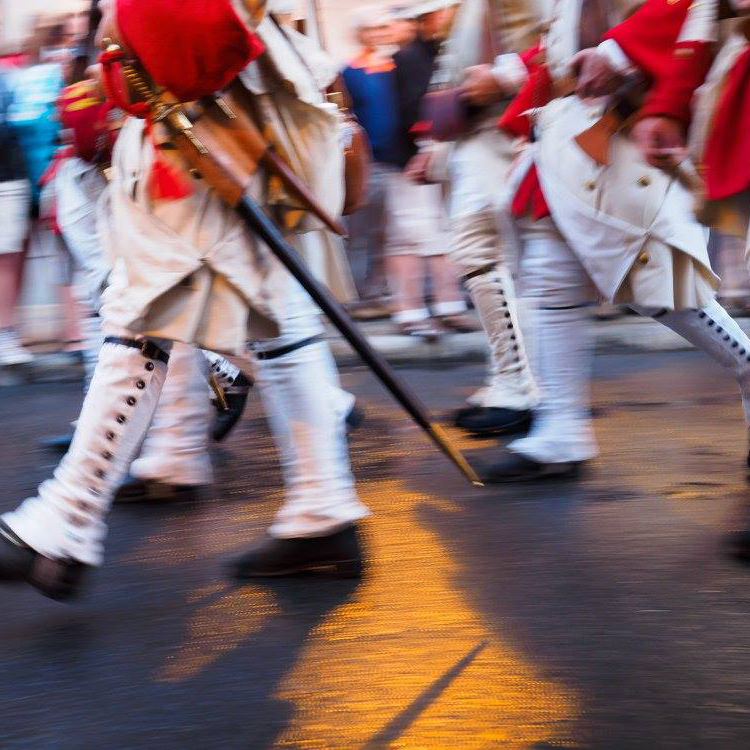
185	269
613	227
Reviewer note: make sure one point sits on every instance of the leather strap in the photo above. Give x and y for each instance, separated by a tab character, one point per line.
479	271
147	348
284	350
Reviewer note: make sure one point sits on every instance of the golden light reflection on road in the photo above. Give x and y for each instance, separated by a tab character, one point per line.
408	663
217	628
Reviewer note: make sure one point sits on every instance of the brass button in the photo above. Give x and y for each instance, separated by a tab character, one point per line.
591	185
643	259
644	181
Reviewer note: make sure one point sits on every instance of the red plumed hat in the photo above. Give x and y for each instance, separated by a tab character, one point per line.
191	47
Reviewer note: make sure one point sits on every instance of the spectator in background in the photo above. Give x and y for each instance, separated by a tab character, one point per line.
33	115
418	239
370	83
15	199
727	253
403	26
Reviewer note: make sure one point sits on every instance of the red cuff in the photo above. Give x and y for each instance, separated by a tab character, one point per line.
672	94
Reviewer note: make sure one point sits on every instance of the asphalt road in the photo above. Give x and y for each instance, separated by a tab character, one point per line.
598	613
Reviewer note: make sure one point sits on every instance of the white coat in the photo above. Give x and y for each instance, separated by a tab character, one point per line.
186	269
631	226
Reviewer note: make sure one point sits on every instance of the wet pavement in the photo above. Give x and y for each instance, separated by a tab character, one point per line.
597	613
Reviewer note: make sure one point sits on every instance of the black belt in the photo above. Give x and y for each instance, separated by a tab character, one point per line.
147	348
276	353
479	272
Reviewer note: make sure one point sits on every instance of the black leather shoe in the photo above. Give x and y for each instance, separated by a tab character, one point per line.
226	419
737	545
59	444
57	579
269	557
513	467
135	490
490	420
355	418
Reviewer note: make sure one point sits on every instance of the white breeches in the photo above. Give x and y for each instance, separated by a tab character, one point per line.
557	290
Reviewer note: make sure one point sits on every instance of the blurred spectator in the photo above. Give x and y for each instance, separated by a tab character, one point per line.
15	199
728	259
49	55
417	233
32	114
403	26
371	85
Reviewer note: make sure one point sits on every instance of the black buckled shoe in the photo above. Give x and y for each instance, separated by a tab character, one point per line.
57	579
354	419
513	467
134	490
236	398
737	545
490	420
58	444
341	553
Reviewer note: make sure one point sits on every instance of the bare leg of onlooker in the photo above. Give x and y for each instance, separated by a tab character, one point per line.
412	233
406	280
729	261
449	306
14	209
11	273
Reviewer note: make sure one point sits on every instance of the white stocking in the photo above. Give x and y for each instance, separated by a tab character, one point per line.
562	430
175	450
66	520
714	331
311	440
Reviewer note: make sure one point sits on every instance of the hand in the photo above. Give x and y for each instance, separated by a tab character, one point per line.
418	168
661	140
596	76
481	87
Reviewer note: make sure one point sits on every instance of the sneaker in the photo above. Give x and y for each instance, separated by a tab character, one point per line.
459	323
11	350
420	329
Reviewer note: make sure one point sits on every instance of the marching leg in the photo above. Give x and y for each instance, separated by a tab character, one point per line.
561	436
317	525
51	538
479	250
174	462
713	330
235	387
506	403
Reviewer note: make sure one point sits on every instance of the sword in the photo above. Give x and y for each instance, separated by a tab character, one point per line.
221	178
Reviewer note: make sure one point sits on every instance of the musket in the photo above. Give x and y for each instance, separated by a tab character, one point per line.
216	168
